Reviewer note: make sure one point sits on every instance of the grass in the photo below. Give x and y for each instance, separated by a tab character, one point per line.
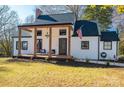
33	74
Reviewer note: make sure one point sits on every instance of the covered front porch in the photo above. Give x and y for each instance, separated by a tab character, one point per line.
49	54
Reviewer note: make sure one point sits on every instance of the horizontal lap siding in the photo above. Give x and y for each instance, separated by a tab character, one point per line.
30	46
91	53
110	53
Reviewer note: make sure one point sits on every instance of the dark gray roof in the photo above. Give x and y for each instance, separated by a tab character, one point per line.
65	18
109	36
88	28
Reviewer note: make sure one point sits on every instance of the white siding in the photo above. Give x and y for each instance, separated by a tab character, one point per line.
45	40
30	46
76	51
91	53
55	38
110	53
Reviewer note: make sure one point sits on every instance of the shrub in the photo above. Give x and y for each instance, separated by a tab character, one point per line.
87	60
46	59
121	47
107	64
121	58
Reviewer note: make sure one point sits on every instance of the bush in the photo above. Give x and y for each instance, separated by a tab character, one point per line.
87	60
121	47
46	59
107	64
121	58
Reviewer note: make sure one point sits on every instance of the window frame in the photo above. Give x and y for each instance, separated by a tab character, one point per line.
40	33
105	47
61	30
23	46
83	48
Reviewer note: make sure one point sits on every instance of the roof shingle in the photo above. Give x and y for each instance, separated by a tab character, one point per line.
109	36
88	28
65	18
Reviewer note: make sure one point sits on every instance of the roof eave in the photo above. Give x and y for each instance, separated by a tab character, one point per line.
45	24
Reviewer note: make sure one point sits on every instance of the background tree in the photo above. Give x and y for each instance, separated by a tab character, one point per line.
100	13
121	47
30	19
119	23
57	9
120	9
8	26
77	10
52	9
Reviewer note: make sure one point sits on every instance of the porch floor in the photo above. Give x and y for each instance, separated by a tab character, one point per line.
46	56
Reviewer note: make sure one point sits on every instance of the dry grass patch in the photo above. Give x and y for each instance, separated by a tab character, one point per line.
37	73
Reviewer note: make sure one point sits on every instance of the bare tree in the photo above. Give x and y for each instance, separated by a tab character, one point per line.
30	19
8	26
77	10
57	9
53	9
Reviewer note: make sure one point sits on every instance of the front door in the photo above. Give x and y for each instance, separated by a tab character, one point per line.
39	45
62	46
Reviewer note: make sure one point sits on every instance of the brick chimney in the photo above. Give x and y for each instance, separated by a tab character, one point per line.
37	12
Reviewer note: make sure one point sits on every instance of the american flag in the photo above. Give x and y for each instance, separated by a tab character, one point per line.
79	32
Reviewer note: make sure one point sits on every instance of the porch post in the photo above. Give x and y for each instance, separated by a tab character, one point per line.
69	41
35	41
19	42
50	41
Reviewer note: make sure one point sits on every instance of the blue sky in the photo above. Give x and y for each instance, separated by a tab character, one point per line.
23	10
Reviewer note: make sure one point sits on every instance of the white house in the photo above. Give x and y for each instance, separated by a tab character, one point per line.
55	36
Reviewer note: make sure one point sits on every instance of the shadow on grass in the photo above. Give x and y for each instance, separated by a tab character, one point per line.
88	65
4	69
23	62
61	63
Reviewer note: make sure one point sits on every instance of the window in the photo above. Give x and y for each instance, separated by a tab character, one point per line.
107	45
16	45
62	32
39	33
24	45
84	44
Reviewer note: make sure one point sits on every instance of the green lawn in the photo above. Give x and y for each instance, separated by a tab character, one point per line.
28	74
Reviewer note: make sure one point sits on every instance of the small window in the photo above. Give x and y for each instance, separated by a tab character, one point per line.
16	45
84	44
62	32
39	33
24	45
107	45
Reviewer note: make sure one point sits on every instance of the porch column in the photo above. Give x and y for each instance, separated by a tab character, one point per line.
35	41
50	41
19	42
69	41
